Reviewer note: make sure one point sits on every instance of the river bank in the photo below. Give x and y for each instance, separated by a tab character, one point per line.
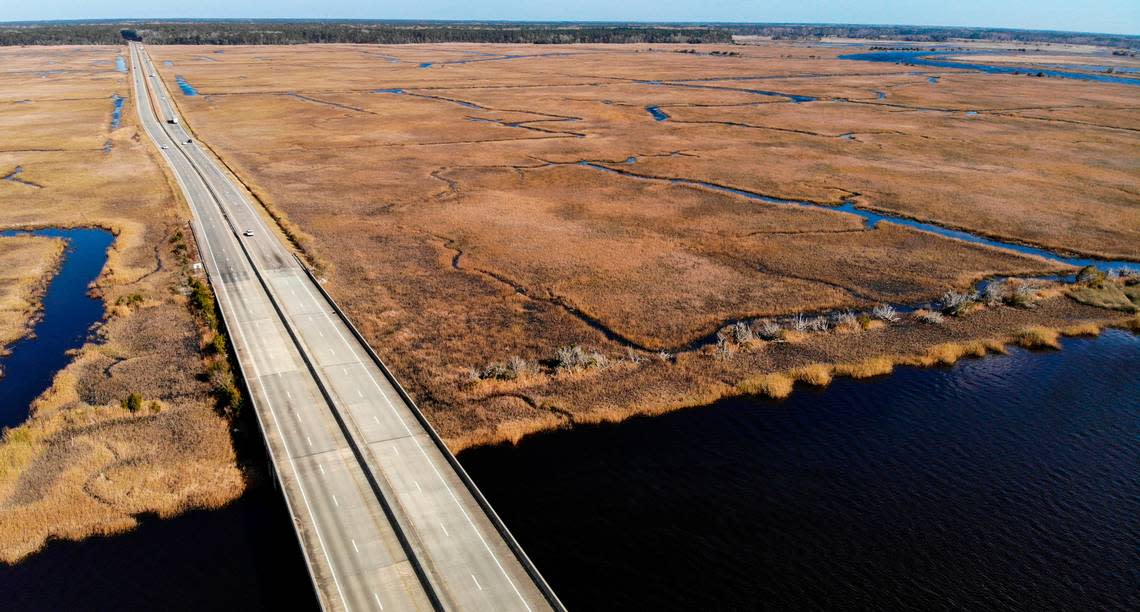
122	422
1007	478
513	288
66	312
242	555
28	265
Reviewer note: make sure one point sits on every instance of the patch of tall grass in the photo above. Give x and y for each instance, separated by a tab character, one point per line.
773	385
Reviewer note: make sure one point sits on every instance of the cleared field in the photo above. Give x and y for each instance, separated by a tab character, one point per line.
85	462
444	192
27	264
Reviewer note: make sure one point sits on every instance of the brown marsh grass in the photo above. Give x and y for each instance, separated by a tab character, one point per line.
27	264
1038	337
459	229
82	464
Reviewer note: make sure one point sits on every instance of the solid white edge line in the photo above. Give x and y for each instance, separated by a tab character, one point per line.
431	463
253	365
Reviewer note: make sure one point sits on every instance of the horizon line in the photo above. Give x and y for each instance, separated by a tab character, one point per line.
125	20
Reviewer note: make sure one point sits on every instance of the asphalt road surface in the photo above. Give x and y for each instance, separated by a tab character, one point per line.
384	518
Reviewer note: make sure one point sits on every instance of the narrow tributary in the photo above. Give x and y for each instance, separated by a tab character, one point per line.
66	320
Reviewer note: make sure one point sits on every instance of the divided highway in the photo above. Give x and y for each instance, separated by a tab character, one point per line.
386	518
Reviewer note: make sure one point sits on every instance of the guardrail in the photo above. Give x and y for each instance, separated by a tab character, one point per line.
397	528
505	533
496	521
195	228
261	424
389	512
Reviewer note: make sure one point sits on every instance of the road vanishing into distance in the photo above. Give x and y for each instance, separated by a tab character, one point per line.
386	517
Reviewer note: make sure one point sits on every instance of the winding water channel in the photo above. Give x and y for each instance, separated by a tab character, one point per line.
933	59
871	219
68	315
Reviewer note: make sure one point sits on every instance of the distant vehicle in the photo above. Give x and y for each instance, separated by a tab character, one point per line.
247	233
173	120
164	147
152	74
188	141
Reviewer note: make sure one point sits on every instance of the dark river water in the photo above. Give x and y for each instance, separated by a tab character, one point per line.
1006	482
242	557
68	314
1009	482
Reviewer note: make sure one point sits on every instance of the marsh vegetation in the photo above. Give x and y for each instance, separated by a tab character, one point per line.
132	424
529	249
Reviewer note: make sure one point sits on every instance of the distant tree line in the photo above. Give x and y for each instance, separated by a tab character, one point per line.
301	32
928	34
291	32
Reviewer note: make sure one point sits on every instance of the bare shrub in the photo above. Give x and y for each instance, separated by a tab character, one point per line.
519	366
723	334
929	317
577	358
723	352
800	324
664	356
742	333
885	312
514	368
632	356
957	304
845	318
1022	296
496	370
769	330
846	321
818	324
994	293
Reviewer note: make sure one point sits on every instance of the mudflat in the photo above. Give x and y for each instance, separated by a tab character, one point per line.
537	236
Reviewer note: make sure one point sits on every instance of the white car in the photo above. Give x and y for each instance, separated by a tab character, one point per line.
164	147
247	232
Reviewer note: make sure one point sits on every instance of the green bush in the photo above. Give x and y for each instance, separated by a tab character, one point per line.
218	344
1091	276
133	402
202	301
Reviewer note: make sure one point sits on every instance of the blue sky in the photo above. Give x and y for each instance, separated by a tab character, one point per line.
1116	16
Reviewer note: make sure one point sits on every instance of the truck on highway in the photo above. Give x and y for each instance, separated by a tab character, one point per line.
173	120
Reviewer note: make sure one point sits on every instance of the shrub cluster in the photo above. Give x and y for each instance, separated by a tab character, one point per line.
885	312
575	357
930	317
513	369
957	304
